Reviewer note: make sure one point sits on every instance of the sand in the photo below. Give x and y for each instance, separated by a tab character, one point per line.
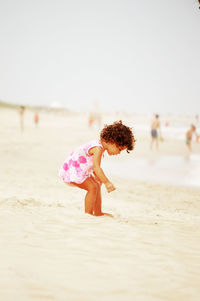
51	250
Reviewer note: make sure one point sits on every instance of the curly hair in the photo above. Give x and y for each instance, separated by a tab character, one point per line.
119	134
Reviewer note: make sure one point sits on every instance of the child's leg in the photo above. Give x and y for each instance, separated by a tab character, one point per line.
92	189
98	201
97	205
93	197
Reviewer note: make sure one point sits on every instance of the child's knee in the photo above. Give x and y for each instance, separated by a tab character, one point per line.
93	187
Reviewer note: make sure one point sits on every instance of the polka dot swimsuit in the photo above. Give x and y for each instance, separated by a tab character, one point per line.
78	166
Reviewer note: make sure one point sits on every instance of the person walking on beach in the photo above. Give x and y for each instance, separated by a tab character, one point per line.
82	168
189	135
36	119
90	119
21	117
155	126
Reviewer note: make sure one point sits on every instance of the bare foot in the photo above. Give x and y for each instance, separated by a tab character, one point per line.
108	214
104	213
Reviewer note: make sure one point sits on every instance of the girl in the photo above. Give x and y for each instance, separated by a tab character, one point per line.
83	167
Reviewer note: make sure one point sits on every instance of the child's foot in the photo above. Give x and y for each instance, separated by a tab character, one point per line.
104	213
108	214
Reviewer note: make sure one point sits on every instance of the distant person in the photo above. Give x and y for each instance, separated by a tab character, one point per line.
97	118
189	134
82	168
155	126
36	118
21	117
91	119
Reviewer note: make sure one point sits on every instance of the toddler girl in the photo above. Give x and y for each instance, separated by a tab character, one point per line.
82	168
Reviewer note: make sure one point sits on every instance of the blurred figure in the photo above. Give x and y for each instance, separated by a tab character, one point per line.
36	119
95	115
189	135
91	119
155	125
21	117
98	119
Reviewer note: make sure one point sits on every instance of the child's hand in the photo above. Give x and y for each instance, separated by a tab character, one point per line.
109	186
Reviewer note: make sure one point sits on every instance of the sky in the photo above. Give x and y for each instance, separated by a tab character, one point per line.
137	56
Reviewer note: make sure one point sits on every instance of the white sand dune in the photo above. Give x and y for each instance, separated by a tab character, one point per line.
51	250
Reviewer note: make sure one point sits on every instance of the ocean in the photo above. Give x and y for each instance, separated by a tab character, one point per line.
170	170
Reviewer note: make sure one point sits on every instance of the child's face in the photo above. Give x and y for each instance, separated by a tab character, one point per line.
113	149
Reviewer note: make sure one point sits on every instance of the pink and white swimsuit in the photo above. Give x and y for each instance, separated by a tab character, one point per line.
78	166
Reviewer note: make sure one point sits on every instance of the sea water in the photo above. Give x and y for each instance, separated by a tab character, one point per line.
170	170
170	132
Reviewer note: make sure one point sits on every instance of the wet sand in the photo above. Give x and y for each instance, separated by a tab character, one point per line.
51	250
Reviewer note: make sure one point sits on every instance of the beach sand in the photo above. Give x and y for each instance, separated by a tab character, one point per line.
51	250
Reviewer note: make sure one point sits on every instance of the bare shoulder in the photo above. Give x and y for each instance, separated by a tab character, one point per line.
96	150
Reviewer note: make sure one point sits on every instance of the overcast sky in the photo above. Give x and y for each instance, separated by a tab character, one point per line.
132	55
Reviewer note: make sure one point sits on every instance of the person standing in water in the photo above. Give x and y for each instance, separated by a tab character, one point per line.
155	126
189	135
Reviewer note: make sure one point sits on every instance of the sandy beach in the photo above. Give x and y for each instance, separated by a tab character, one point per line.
51	250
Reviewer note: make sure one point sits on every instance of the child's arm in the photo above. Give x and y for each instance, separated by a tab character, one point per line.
97	154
